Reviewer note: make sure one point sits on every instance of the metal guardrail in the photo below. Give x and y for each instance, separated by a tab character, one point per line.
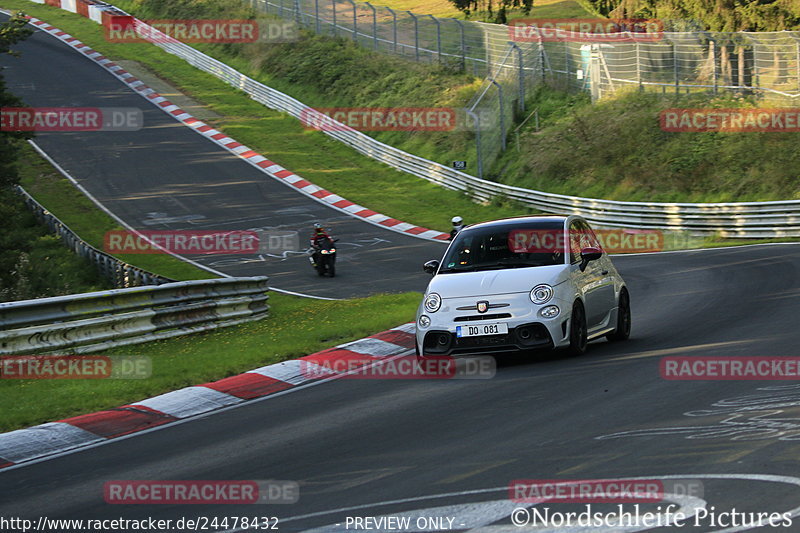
741	219
95	321
118	272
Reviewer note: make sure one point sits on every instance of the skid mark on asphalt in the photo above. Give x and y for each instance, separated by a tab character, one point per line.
750	417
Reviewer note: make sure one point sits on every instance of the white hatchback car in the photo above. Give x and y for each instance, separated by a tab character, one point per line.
518	284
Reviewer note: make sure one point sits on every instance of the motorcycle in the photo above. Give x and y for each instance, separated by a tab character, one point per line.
324	258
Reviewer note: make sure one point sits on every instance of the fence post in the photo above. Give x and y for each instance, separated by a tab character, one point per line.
416	35
464	45
594	72
438	37
374	25
566	62
675	66
316	15
639	66
394	27
478	151
502	114
355	21
333	3
713	44
521	76
541	57
299	12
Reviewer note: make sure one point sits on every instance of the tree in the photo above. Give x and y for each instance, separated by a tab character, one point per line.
486	8
11	32
716	15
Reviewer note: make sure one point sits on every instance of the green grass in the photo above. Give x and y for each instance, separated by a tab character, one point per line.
283	139
616	150
296	327
570	155
33	262
445	8
61	197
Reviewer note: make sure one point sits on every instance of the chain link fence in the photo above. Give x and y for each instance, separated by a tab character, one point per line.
763	64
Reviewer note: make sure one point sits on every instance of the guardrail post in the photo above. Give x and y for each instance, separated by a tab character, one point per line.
416	35
463	45
374	25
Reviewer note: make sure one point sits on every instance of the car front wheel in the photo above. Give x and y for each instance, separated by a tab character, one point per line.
578	333
623	330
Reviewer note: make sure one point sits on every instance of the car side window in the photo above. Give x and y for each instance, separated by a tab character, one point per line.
589	237
574	242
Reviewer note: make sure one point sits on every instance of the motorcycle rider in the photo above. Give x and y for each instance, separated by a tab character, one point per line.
458	225
318	237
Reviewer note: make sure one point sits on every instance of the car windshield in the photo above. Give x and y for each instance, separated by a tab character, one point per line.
510	245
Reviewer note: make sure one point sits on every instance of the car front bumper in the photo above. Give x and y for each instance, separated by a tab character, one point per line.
527	328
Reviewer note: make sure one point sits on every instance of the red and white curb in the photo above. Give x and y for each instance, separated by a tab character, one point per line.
32	443
254	158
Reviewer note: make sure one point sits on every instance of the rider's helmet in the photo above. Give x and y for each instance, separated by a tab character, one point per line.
457	221
318	229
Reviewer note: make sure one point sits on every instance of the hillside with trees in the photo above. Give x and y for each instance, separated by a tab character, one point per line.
715	15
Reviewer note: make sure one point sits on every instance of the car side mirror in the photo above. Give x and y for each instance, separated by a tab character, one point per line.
431	267
588	255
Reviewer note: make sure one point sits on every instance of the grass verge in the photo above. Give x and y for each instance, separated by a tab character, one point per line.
33	262
282	138
296	326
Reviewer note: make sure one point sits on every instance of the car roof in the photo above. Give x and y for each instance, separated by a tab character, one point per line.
525	218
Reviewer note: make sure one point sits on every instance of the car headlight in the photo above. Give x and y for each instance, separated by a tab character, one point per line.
433	302
541	294
551	311
424	321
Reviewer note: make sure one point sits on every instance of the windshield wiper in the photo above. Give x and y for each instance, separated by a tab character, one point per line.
465	269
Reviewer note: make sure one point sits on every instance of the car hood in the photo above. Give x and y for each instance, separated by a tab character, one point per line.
489	282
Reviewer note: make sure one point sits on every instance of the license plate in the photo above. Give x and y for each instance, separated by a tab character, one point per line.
483	329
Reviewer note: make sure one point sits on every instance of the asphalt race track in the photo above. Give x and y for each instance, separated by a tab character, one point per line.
433	449
448	443
167	177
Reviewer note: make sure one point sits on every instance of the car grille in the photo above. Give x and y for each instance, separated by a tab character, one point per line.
471	318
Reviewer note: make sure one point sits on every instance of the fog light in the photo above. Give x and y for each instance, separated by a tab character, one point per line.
551	311
424	321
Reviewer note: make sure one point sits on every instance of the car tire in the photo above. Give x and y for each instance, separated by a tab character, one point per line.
623	330
578	333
